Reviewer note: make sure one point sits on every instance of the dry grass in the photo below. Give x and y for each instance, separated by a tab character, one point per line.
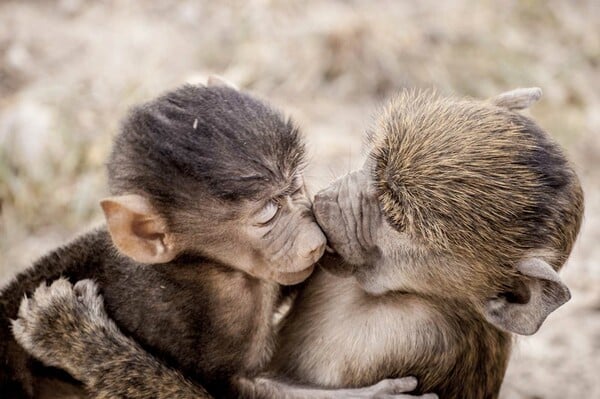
69	69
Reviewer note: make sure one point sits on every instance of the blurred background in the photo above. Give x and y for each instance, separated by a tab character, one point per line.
70	69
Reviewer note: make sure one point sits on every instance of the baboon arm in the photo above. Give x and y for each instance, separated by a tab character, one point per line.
151	380
267	388
66	327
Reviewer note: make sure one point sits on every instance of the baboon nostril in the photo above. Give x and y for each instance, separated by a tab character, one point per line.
317	251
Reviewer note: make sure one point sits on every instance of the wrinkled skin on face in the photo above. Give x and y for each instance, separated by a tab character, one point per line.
213	172
348	212
275	238
381	258
285	239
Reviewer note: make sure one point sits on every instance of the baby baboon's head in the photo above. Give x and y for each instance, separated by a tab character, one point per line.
215	172
477	202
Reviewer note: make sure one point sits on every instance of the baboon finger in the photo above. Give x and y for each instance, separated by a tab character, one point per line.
397	385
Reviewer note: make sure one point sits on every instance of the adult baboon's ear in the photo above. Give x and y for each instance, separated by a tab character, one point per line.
214	80
518	98
537	293
137	230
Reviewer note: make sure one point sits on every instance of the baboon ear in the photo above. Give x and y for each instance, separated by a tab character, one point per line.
537	293
137	230
214	80
518	98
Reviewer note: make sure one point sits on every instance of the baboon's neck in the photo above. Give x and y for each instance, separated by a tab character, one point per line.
481	353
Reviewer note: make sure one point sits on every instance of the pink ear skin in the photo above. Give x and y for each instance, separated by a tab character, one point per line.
545	293
137	230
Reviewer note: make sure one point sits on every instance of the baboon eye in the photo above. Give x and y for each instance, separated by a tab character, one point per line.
267	213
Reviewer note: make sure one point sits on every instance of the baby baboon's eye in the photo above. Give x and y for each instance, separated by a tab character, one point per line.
267	213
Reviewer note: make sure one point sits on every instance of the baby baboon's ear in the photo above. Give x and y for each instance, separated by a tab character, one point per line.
518	98
214	80
538	292
137	230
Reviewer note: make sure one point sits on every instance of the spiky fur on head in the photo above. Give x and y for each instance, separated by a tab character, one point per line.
197	144
475	179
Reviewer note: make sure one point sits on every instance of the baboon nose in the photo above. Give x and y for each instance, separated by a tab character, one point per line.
317	247
317	252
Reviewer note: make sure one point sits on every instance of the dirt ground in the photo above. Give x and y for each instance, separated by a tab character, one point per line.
69	70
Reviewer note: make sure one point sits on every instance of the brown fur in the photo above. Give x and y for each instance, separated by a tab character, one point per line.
451	349
188	265
446	169
182	264
468	190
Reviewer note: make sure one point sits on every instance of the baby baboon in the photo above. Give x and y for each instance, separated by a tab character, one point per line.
451	237
454	231
208	216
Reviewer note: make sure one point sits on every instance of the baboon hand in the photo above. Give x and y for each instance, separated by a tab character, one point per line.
348	212
388	389
56	324
393	388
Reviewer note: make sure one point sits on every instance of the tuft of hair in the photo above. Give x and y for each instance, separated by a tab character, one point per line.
200	143
475	179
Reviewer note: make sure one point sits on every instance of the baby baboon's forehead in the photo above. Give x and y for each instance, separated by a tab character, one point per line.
223	142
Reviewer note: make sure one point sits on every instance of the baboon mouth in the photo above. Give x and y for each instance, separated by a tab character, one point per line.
334	264
291	278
